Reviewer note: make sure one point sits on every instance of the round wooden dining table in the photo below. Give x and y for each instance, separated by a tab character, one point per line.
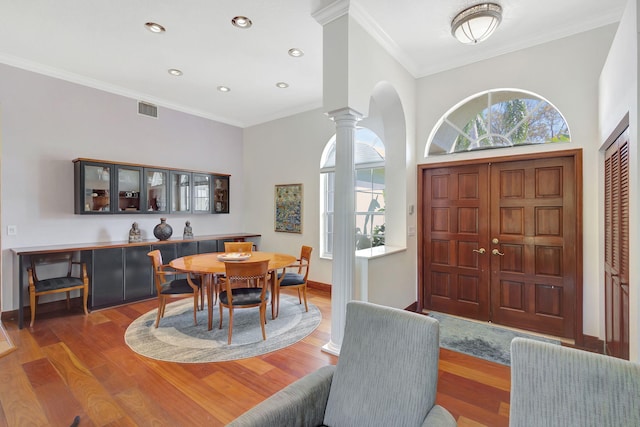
208	265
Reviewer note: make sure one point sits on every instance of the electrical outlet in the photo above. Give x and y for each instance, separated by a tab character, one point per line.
12	230
411	231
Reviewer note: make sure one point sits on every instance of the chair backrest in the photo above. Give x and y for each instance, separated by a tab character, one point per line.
555	385
63	259
248	274
387	372
238	246
156	261
305	261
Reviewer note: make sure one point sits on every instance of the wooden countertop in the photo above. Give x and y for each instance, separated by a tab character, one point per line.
123	243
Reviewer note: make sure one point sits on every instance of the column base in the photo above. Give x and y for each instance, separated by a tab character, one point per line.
331	348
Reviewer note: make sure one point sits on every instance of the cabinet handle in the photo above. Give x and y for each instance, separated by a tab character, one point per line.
497	252
480	251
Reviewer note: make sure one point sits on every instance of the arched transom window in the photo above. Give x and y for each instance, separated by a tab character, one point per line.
497	119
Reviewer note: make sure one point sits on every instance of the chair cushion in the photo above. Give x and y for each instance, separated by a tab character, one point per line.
57	283
179	286
291	279
244	296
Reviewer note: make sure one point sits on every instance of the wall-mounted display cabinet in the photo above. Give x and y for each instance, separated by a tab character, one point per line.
103	187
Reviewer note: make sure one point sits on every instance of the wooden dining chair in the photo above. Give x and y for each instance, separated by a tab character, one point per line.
40	284
176	288
238	246
296	279
245	286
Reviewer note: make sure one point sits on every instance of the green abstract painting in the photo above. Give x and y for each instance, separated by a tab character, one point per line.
288	212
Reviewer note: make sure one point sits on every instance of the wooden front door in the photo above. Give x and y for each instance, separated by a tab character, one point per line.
499	242
616	237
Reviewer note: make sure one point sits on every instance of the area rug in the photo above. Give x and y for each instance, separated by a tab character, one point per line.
178	340
479	339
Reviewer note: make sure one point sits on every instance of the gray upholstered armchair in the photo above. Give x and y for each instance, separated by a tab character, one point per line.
386	375
559	386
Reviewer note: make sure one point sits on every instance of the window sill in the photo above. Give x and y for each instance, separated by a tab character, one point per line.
371	253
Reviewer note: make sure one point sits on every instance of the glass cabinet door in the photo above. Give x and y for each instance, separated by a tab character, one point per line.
96	186
180	192
220	194
201	193
156	184
129	186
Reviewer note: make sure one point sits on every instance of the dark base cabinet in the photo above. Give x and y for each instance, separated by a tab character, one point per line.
120	273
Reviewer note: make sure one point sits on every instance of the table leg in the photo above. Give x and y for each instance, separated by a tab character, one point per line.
209	283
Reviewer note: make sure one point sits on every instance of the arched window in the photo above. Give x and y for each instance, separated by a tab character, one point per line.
497	119
369	192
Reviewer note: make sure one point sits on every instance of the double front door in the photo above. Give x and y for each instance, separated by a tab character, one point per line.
499	242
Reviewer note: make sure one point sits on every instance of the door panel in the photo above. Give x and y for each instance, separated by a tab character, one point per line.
454	237
533	268
616	279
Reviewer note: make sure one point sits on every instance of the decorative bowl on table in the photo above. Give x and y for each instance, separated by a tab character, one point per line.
234	256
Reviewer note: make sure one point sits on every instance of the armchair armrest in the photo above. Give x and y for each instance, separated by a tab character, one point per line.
300	404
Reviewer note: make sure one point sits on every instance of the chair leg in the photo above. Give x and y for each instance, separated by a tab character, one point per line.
33	303
304	294
68	300
161	303
230	324
85	299
299	299
220	324
263	319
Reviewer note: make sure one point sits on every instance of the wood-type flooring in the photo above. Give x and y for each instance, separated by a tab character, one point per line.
69	364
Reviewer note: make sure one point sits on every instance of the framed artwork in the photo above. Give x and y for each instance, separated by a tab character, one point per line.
288	204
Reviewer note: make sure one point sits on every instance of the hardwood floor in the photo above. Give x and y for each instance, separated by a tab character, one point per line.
69	365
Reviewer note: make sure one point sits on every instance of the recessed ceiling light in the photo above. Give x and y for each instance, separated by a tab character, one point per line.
224	89
174	72
154	27
241	22
282	85
295	52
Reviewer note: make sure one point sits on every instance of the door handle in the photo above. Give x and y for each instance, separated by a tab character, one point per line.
497	252
480	251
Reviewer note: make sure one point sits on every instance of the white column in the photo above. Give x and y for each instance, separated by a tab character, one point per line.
344	224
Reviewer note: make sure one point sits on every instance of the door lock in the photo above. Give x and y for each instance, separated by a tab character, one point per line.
495	241
497	252
480	251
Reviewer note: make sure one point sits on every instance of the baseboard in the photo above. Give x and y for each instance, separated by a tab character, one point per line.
324	287
592	344
413	307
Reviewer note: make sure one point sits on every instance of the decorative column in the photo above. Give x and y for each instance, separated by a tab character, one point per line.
343	224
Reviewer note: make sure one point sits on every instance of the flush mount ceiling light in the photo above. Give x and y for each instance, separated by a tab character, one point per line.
295	52
154	27
477	23
241	22
174	72
223	89
282	85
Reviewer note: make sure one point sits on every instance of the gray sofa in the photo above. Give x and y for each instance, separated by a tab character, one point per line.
386	375
553	385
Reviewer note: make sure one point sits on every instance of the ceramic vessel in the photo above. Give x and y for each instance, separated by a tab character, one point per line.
163	230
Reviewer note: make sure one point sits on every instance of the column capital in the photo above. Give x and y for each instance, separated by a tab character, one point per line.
345	113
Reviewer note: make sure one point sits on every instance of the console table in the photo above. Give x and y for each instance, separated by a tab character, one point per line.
121	272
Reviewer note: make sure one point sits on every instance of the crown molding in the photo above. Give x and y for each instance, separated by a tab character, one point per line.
331	11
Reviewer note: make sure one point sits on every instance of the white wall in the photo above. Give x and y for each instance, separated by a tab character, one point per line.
565	72
618	96
46	123
287	151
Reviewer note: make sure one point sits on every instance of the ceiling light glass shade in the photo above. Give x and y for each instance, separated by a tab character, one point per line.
282	85
174	72
224	89
476	23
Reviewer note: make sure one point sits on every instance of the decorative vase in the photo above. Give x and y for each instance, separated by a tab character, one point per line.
163	230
